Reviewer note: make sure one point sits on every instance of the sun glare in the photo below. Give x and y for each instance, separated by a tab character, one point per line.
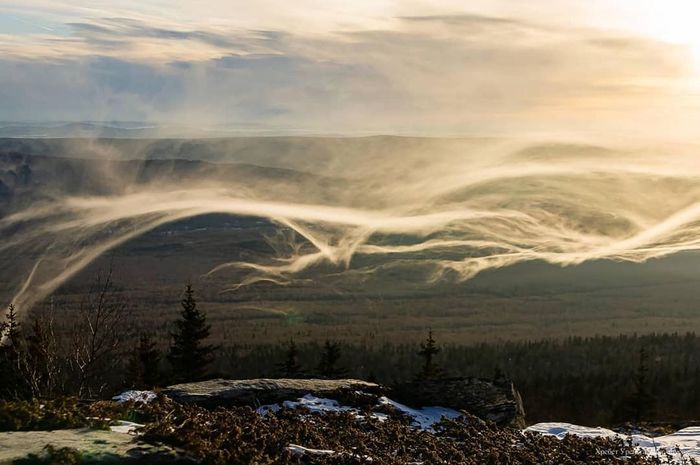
674	21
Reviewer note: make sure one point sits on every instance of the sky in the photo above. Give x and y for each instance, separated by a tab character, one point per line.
553	68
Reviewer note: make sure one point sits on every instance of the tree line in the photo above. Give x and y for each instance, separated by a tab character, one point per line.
93	359
596	380
599	380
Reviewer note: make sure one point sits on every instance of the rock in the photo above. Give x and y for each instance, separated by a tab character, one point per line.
499	402
257	392
488	400
95	446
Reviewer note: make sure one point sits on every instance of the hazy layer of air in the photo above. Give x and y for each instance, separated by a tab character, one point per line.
451	208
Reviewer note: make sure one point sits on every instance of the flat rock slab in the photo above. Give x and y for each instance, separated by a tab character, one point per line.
255	392
96	446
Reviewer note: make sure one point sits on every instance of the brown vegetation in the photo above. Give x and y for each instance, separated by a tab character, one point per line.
242	436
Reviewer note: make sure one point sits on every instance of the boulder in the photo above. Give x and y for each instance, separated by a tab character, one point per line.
489	400
256	392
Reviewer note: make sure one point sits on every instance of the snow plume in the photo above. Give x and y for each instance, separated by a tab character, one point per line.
449	207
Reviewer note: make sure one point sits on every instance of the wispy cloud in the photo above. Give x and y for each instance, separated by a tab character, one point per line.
454	73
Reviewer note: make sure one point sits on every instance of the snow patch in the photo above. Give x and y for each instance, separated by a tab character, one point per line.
143	397
317	404
682	444
559	430
310	402
301	450
126	427
423	418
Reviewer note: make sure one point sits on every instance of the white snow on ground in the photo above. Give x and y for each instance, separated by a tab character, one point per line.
562	429
301	450
312	403
136	396
423	418
317	404
126	427
683	443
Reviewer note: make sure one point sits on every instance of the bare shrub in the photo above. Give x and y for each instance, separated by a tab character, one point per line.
96	341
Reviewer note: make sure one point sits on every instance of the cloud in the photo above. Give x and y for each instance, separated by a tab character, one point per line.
445	208
130	29
461	73
487	205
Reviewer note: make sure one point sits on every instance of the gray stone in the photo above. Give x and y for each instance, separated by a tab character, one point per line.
495	401
256	392
489	400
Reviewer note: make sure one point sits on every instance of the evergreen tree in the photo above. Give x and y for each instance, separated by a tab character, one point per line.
11	328
639	404
12	383
642	399
189	356
144	364
327	366
428	350
291	368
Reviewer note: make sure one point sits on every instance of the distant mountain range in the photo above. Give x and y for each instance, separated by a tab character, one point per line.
134	130
80	129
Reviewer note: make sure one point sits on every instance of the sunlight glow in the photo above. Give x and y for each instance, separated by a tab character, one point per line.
674	21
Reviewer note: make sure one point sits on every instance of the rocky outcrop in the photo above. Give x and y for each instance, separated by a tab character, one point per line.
256	392
495	401
499	402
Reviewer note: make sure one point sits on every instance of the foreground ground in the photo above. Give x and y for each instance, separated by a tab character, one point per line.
311	431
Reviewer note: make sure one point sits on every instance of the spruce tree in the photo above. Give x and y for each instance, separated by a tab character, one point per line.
429	349
12	328
643	401
144	364
291	368
327	366
189	356
12	384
